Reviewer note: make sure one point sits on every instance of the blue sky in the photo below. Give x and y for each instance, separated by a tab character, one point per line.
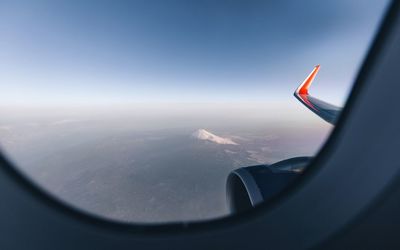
99	52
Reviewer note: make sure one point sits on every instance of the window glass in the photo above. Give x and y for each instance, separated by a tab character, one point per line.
139	111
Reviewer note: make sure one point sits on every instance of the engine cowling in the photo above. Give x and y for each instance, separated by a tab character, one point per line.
249	186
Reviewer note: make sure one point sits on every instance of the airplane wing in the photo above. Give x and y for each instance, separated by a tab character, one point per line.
249	186
326	111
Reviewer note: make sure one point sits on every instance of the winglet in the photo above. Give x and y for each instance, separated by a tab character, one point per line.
326	111
303	88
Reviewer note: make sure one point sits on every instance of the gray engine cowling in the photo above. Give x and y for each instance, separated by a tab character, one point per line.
249	186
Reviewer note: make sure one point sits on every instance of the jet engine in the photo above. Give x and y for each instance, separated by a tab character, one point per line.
249	186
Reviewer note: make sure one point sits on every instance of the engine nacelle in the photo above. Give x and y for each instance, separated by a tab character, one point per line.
249	186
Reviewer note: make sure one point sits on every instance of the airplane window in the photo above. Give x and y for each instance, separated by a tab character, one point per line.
161	111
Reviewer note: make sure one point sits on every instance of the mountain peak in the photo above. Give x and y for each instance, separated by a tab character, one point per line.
205	135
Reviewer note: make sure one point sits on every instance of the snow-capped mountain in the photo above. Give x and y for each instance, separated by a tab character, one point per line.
204	135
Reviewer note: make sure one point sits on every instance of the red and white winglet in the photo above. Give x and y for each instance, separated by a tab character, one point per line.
326	111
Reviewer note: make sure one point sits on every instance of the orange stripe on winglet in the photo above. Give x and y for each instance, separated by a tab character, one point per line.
303	90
